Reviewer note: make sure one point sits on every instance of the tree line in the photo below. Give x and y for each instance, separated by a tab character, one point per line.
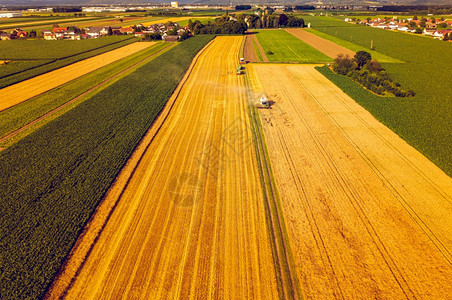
223	25
369	73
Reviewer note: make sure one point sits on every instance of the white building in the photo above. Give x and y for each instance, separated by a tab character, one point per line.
174	4
10	14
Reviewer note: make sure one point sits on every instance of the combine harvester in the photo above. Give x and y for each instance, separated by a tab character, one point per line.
239	70
263	103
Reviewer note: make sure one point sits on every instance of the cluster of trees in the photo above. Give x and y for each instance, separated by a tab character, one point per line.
304	7
369	73
152	36
272	21
222	25
242	7
67	9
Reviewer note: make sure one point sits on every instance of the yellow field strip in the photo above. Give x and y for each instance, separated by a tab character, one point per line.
368	216
24	90
191	222
175	20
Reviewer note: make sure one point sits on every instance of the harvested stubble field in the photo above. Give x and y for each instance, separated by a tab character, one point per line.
24	90
191	221
47	196
368	216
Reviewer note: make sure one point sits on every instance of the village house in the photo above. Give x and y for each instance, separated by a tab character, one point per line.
59	32
116	30
93	32
126	30
440	34
48	35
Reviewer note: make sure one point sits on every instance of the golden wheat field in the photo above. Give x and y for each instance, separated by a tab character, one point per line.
27	89
368	216
191	221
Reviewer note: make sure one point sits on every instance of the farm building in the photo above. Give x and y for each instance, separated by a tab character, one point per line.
12	14
126	30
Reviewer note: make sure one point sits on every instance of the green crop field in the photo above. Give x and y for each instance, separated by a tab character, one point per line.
424	121
287	48
62	54
42	49
46	197
44	22
354	47
19	115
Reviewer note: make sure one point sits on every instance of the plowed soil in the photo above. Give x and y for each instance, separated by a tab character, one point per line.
329	48
368	216
250	51
191	222
24	90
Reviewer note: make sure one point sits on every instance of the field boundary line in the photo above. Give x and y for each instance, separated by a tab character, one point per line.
14	133
288	283
90	234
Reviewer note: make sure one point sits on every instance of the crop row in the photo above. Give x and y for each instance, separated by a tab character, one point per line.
18	73
424	120
53	179
19	115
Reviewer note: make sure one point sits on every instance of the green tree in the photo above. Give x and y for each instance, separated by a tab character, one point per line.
362	57
344	64
283	19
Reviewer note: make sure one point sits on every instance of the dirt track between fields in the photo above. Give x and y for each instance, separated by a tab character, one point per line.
191	221
24	90
329	48
368	216
250	52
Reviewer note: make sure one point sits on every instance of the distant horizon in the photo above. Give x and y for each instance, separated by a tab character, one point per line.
40	3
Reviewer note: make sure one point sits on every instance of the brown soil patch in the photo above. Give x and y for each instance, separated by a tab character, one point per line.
368	216
191	220
250	52
329	48
24	90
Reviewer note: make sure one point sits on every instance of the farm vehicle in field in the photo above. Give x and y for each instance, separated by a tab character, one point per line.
239	70
264	103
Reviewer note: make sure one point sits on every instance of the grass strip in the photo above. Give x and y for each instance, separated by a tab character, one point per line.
53	179
256	49
288	48
354	47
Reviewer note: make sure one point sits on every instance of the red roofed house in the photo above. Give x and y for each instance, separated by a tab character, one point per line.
126	30
59	32
441	33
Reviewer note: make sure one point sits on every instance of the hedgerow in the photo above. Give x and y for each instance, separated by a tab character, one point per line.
53	179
